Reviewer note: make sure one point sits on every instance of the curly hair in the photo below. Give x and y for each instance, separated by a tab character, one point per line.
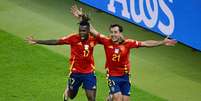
84	20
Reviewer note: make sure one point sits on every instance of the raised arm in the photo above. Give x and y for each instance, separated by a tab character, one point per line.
44	42
76	12
81	16
153	43
93	31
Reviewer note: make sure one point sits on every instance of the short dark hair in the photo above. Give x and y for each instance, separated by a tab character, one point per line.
116	25
84	23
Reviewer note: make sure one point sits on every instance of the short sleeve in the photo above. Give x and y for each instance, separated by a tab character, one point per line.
102	39
133	43
66	39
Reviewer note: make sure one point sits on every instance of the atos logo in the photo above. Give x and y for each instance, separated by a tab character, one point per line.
151	19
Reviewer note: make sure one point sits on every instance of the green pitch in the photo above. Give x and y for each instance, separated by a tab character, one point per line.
38	73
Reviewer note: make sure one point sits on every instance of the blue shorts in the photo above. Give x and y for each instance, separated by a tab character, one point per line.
119	84
88	81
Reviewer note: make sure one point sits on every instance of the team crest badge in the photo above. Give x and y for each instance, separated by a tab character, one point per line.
116	50
86	47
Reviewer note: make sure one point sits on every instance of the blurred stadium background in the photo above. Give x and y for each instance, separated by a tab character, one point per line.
38	73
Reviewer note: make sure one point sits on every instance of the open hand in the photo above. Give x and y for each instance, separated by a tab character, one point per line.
169	42
76	12
30	40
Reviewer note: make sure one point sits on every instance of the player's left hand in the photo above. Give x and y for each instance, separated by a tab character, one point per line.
169	42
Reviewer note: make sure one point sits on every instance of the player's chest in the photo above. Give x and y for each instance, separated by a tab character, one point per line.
116	49
80	46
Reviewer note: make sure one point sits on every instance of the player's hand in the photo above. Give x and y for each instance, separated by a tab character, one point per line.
76	12
30	40
169	42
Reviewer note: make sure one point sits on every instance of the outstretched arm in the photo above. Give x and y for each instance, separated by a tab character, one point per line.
44	42
81	16
153	43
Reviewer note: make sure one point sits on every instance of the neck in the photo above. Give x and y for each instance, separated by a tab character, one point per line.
120	41
116	42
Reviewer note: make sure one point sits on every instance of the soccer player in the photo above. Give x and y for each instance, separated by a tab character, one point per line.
117	50
81	60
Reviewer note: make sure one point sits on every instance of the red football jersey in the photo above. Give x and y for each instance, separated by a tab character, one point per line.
117	55
81	57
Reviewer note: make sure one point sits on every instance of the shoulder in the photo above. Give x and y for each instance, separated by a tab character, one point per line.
129	40
104	37
73	35
92	36
69	36
101	35
132	42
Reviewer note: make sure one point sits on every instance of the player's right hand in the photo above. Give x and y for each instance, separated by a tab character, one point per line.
30	40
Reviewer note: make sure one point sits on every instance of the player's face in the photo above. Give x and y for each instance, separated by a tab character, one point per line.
83	32
115	34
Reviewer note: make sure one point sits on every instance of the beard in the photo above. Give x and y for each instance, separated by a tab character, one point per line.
114	39
119	39
84	36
